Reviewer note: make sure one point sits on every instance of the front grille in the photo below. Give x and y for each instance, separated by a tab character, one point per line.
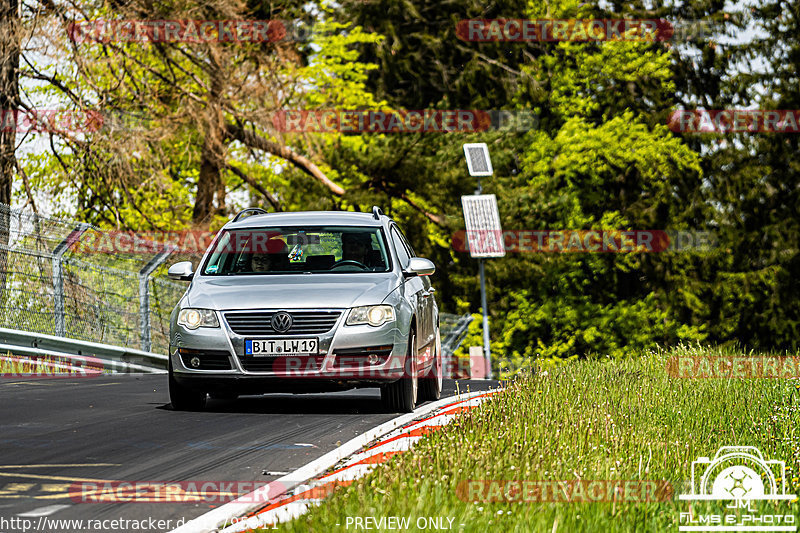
257	323
209	359
288	364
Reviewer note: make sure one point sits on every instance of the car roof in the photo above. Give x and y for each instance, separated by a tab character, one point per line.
309	218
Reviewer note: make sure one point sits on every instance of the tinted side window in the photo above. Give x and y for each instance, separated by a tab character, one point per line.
410	250
402	253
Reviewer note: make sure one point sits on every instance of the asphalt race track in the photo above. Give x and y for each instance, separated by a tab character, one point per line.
56	432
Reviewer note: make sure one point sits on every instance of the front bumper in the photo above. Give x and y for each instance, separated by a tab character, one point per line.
348	357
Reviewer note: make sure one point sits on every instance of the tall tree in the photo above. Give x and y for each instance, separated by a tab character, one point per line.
207	114
598	157
755	179
9	103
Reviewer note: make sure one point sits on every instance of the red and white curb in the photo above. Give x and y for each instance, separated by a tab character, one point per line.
290	496
314	492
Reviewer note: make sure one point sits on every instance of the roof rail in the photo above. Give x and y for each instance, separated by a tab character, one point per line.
254	210
376	212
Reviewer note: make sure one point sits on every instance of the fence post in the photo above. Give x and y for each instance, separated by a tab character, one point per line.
58	276
144	295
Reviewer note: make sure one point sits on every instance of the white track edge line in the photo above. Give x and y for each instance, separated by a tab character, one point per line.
222	515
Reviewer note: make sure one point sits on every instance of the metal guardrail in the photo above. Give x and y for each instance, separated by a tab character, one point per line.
116	358
131	360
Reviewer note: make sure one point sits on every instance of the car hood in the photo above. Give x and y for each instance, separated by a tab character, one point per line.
303	291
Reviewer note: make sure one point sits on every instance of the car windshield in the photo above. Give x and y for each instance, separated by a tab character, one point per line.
293	250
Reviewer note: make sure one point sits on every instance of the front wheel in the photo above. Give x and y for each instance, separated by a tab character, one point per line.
401	396
184	398
223	396
430	386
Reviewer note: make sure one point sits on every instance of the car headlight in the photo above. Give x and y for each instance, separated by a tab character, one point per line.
374	315
196	318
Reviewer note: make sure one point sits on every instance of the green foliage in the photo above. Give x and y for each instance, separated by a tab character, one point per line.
598	157
598	160
142	169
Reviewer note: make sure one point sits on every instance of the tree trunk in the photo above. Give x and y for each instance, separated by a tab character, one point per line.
212	159
9	103
208	179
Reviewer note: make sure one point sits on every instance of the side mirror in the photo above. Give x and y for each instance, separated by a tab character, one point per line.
419	266
181	271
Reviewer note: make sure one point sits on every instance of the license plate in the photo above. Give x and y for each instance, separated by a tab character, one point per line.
280	347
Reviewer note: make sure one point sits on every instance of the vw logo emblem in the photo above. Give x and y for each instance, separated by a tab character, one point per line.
281	321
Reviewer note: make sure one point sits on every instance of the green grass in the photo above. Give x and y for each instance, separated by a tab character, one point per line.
593	420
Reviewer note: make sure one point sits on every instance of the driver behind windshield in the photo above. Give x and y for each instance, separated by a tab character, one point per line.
357	247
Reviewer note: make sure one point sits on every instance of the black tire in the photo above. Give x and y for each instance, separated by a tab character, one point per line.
184	398
430	387
401	396
223	395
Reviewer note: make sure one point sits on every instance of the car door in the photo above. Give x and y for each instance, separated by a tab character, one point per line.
425	308
428	304
414	286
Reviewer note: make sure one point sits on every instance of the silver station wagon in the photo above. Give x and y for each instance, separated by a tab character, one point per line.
306	302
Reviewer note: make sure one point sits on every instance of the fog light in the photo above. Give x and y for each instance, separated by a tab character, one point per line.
373	359
195	362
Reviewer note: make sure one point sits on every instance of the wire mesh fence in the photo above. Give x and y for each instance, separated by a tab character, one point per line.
453	330
50	283
164	294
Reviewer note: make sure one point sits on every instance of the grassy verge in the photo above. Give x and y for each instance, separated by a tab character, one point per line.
591	420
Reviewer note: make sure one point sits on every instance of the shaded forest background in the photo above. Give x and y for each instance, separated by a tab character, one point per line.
188	140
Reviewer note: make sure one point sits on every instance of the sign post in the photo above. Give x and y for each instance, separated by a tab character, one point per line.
484	233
